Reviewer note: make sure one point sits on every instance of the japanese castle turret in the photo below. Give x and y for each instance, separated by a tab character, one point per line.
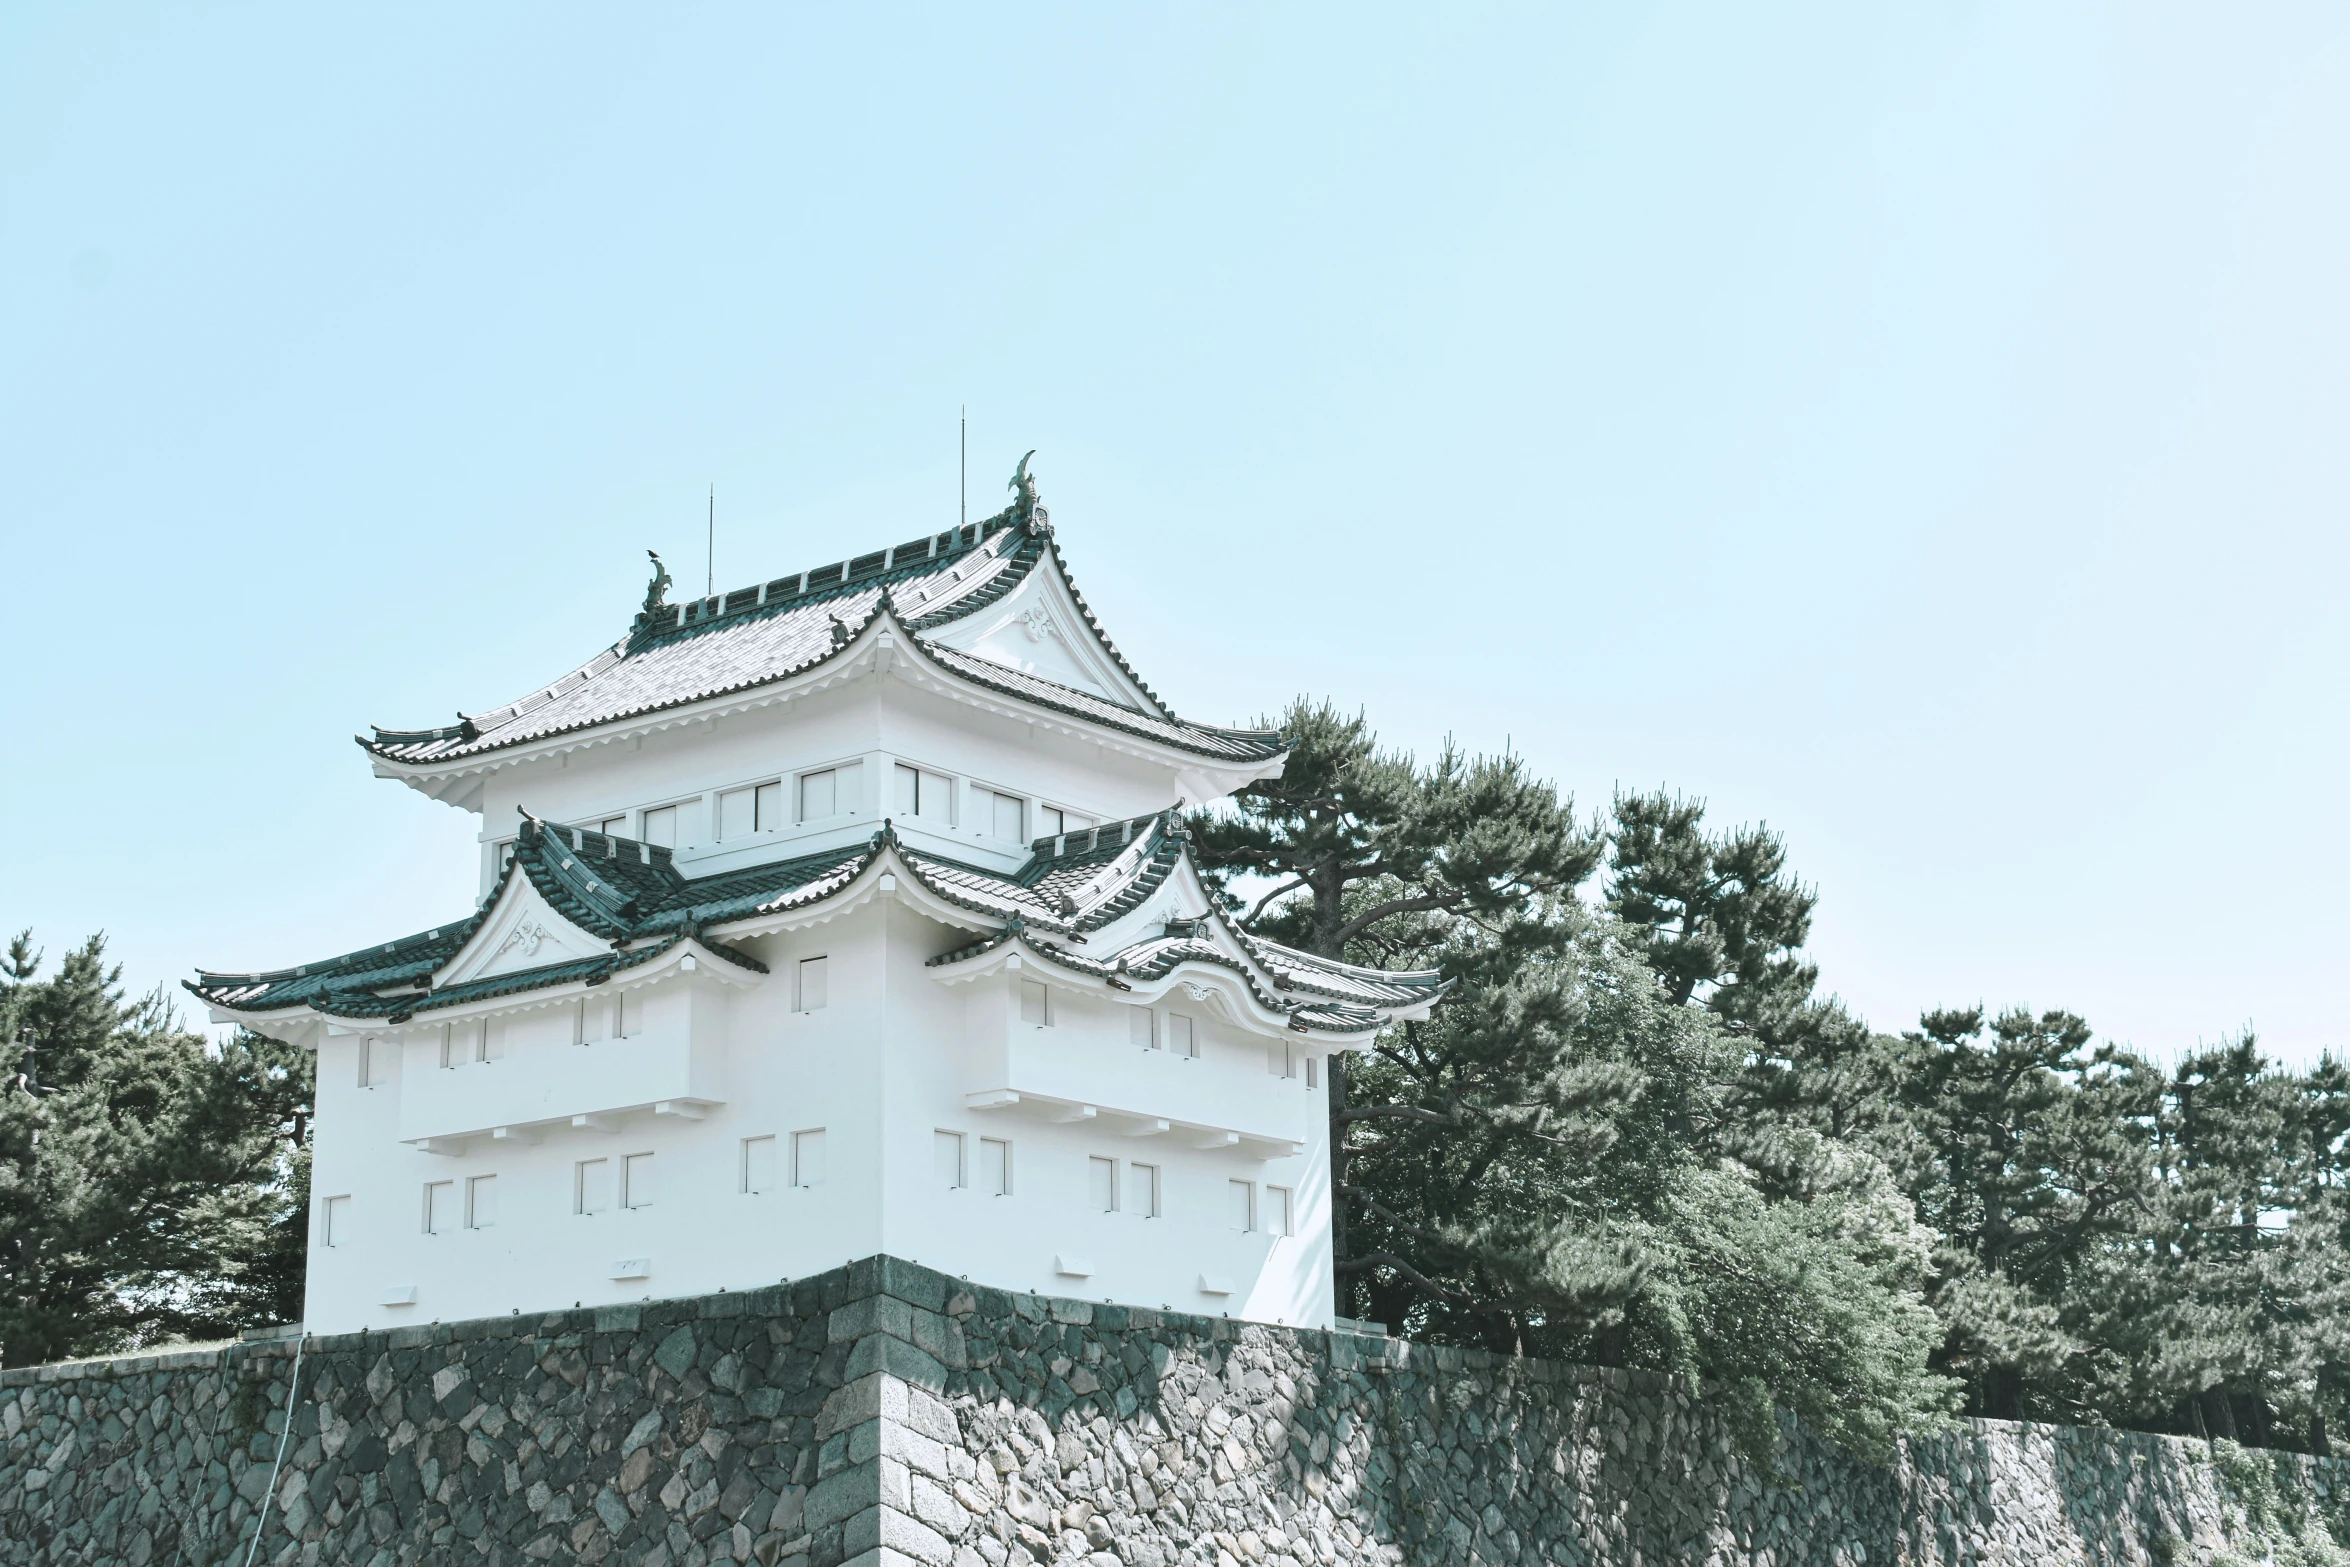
851	912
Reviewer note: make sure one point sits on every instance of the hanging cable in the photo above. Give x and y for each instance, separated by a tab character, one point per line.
293	1389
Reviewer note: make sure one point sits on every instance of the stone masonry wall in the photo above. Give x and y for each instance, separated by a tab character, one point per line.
885	1414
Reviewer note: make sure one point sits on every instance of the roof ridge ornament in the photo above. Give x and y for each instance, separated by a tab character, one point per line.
656	591
1027	510
656	615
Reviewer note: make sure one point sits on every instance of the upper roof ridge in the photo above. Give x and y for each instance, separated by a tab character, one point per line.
777	630
660	621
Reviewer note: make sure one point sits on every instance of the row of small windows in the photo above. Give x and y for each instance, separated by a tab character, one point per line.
1176	1032
620	1016
593	1020
598	1185
826	792
768	1163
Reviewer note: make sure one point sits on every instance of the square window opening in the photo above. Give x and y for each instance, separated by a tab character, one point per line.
738	814
636	1181
807	1158
481	1202
758	1165
591	1186
995	1166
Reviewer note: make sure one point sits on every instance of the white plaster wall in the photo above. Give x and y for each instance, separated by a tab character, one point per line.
876	720
880	1069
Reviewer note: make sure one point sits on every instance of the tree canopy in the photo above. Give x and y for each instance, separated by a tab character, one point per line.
151	1187
1637	1133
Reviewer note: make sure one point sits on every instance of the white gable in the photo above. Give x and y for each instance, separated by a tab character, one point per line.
522	932
1038	629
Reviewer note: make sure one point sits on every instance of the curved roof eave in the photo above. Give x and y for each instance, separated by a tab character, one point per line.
882	629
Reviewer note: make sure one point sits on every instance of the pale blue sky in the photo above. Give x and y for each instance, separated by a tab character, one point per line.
1919	426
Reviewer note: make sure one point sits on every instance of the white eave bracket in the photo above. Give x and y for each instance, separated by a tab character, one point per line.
1134	1123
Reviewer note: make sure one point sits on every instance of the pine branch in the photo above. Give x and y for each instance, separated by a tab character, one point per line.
1382	1259
1397	1113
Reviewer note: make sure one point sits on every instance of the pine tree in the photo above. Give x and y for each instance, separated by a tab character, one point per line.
1719	917
135	1177
1372	859
1535	1168
2031	1164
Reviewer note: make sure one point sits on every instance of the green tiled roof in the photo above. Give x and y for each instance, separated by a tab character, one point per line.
632	895
772	631
1317	995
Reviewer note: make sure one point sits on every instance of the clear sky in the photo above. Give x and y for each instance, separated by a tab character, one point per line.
1919	426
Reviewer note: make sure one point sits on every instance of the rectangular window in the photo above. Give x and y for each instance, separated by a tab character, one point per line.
1142	1026
1051	821
452	1046
626	1019
738	814
591	1186
1035	1003
1313	1071
440	1207
807	1158
1142	1190
814	983
946	1159
1009	814
636	1181
661	827
481	1202
490	1043
995	1167
1180	1037
758	1164
929	796
1101	1188
371	1063
819	795
334	1226
767	807
613	826
1241	1204
1281	1061
1277	1211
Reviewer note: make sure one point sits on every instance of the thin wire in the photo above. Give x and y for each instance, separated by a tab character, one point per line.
293	1388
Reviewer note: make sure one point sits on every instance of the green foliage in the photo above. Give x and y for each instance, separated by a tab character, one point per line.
146	1181
1544	1165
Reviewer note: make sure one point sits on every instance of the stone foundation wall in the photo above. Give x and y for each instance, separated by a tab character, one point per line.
884	1413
